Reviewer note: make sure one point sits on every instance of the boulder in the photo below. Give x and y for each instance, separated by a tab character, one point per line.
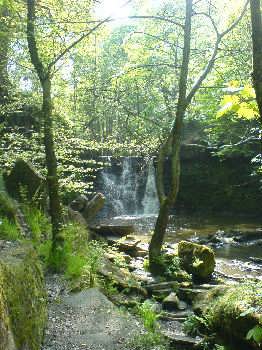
88	208
24	177
171	302
22	298
199	260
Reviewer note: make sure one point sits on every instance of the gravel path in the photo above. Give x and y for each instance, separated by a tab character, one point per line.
85	321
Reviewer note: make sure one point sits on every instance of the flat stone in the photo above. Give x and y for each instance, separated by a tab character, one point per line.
162	285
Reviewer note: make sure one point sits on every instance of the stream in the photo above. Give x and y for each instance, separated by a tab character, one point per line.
235	259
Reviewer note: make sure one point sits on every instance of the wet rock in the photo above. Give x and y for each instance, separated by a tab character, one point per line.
199	260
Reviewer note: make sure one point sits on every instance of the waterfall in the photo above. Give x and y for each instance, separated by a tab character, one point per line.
150	201
128	191
120	190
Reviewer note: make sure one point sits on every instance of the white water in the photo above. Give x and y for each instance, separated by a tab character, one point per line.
122	191
150	201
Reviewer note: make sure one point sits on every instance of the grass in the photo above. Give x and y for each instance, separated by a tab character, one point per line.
37	221
9	230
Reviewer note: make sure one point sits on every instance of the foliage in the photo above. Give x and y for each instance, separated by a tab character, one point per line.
255	334
9	230
37	221
241	102
148	341
148	315
7	207
195	325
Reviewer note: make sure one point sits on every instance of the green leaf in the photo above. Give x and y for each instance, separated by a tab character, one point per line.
255	334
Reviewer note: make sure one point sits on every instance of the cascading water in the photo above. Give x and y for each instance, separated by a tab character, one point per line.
150	201
124	189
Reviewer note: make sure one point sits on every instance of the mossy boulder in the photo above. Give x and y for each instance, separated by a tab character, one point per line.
22	298
196	259
233	314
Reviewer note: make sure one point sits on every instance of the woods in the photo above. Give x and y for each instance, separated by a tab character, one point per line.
131	174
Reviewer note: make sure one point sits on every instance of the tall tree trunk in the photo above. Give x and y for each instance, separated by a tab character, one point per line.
173	142
51	162
4	47
256	20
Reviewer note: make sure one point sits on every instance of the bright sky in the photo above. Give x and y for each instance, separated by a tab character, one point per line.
114	8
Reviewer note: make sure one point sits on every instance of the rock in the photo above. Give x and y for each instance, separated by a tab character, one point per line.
88	208
25	176
22	299
173	331
171	302
161	294
179	316
199	260
121	277
182	305
190	294
115	230
170	285
76	217
128	245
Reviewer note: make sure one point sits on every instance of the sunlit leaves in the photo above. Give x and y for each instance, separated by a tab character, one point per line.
241	102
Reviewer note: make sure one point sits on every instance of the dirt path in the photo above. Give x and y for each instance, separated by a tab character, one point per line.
85	321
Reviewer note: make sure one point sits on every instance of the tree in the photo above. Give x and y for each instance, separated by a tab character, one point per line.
256	21
5	33
45	73
172	145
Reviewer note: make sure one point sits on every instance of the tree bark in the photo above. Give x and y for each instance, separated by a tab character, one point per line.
173	142
51	162
256	21
4	47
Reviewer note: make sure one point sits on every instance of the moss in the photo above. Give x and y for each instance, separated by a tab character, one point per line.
22	287
199	260
234	313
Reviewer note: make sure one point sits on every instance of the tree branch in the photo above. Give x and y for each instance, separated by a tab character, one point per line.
212	59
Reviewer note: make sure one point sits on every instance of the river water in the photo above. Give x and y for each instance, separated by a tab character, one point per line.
234	259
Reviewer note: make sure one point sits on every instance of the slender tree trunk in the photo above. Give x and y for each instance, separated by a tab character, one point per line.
4	47
173	142
51	162
256	20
